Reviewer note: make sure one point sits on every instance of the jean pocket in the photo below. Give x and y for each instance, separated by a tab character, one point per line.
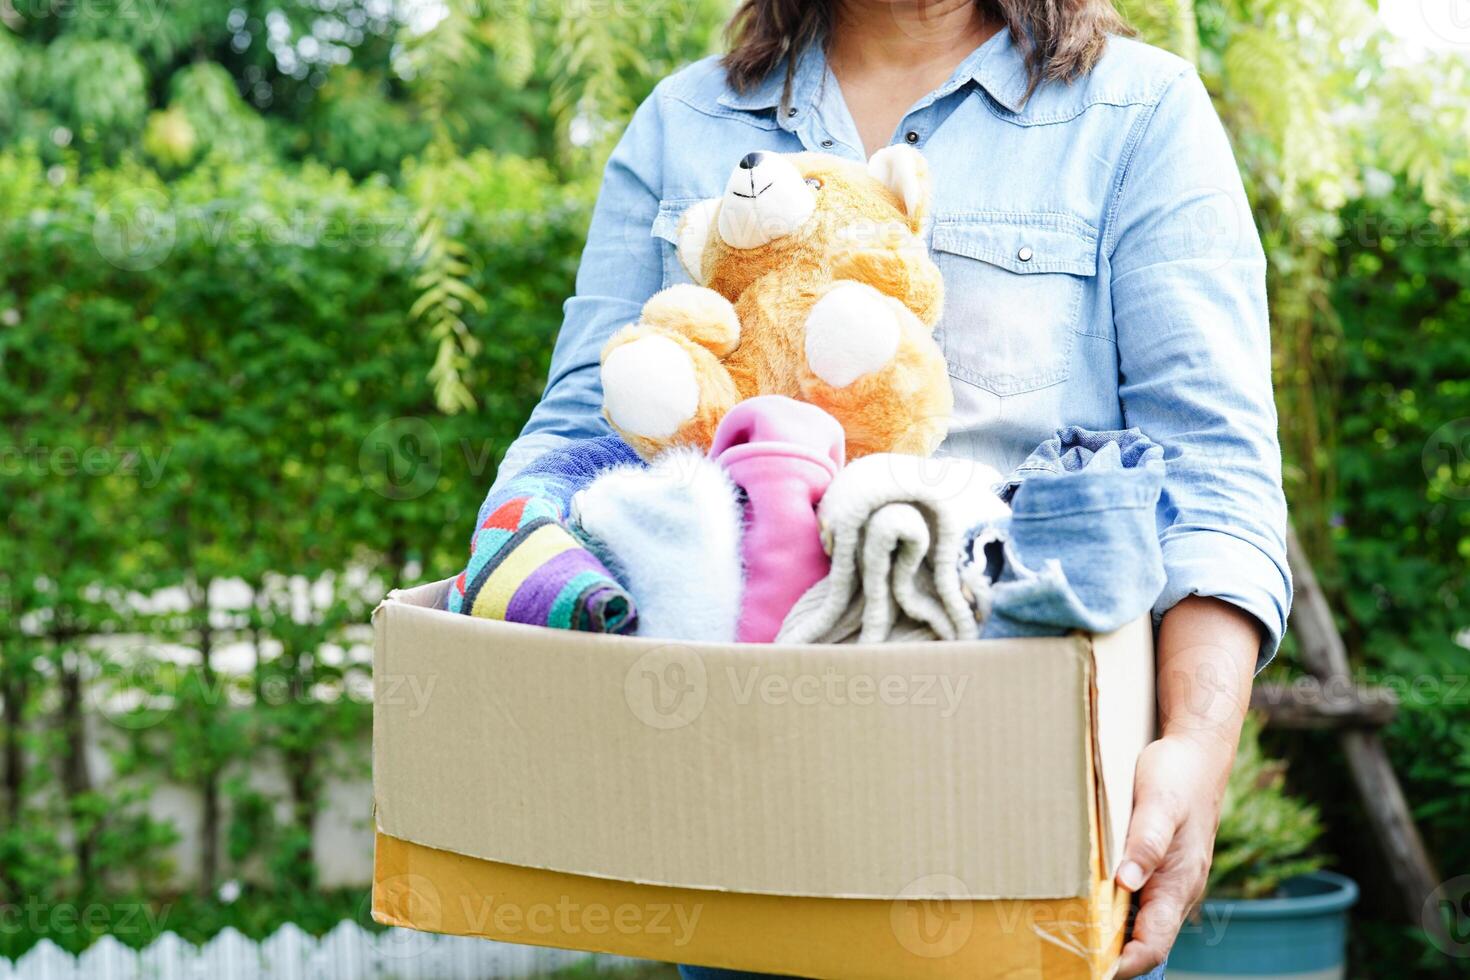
1013	286
666	228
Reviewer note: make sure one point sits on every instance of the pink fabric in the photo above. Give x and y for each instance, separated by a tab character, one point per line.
783	453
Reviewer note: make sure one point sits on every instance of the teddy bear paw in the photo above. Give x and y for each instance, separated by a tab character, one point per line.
850	332
649	387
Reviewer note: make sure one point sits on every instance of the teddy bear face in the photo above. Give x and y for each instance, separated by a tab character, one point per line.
781	211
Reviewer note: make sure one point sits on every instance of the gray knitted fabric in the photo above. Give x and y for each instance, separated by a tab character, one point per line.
894	526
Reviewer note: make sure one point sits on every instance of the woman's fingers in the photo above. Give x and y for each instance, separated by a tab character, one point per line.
1150	833
1163	860
1160	915
1156	817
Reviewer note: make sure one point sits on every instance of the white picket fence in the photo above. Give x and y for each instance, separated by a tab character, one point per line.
348	952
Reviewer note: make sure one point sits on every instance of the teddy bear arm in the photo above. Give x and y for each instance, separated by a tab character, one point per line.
702	315
661	389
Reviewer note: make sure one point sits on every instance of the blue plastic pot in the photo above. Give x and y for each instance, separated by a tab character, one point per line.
1301	934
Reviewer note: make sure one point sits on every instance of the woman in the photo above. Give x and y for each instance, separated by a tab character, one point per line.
1101	270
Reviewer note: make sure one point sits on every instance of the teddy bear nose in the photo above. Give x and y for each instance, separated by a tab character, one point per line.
751	160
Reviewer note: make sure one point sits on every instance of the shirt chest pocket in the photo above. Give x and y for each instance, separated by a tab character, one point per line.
666	232
1013	292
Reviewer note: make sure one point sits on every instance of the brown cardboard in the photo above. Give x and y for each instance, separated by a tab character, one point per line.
1123	676
829	939
819	786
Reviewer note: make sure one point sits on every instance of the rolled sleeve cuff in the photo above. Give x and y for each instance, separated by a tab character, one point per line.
1222	565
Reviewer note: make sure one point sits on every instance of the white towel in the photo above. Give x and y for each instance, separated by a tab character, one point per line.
671	535
894	526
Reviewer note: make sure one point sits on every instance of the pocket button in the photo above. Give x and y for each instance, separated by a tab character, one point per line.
1024	254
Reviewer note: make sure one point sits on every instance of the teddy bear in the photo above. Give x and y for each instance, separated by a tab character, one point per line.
810	280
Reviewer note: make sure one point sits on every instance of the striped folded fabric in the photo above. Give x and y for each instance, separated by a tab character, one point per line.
526	566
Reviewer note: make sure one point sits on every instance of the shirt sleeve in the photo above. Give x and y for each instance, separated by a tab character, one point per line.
621	267
1189	306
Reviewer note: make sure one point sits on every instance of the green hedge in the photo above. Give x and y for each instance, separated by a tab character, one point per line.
216	378
1401	531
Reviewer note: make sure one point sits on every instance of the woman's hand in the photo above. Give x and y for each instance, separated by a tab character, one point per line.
1171	838
1206	659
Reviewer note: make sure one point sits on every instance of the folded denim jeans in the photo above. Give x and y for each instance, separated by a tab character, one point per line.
1080	549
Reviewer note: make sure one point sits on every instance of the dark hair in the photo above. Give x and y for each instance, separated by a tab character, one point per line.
1061	39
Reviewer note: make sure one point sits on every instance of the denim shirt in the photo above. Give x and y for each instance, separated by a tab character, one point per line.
1100	262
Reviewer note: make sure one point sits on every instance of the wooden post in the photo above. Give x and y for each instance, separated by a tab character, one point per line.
1325	655
1309	704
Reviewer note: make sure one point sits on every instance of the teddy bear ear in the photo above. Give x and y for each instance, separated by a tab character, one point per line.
694	232
903	170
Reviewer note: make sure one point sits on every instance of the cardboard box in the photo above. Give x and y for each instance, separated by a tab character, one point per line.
931	810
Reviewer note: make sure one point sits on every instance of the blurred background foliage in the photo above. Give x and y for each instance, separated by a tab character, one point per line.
308	257
1266	835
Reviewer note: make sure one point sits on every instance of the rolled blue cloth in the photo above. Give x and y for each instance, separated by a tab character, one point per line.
1080	549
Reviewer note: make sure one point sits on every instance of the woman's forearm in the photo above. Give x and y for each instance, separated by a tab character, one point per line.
1206	660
